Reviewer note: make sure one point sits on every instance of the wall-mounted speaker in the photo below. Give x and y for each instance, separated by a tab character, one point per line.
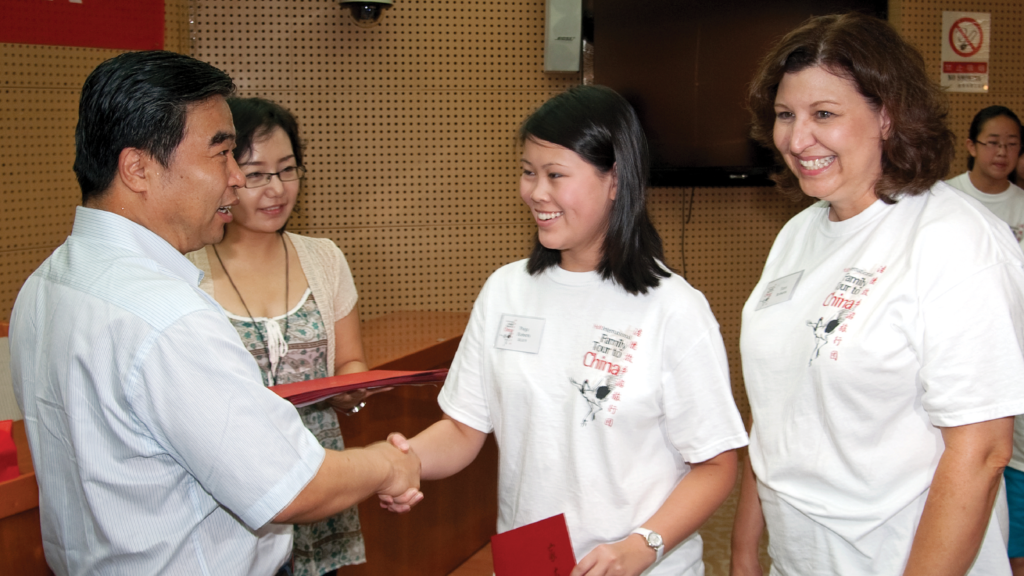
563	24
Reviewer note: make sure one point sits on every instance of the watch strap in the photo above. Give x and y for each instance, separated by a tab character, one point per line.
659	550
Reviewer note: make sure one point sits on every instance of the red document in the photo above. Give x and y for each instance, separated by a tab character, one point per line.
310	391
541	548
8	452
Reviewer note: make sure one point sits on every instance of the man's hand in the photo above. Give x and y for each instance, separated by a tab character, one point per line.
400	503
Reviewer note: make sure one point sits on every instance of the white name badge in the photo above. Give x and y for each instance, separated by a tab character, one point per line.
519	333
779	291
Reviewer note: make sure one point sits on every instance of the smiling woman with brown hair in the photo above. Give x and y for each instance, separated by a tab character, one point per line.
882	345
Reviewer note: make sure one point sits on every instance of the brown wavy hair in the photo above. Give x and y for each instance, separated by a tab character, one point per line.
888	72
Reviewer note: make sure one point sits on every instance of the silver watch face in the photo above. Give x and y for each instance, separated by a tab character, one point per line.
654	540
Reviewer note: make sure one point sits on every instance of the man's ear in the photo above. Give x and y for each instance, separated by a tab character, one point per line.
135	169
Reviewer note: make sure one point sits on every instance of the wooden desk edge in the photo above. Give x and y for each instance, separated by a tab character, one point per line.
18	495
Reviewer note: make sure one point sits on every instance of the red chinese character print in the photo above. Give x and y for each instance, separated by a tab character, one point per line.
842	328
613	409
628	358
838	341
617	396
632	345
608	422
834	355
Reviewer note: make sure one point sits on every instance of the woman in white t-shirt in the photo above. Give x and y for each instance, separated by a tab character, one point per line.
882	345
602	374
993	142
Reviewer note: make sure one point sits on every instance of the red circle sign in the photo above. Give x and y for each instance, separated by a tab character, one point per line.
966	37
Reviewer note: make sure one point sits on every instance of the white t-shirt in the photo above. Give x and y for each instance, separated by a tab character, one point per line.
905	318
598	399
1009	207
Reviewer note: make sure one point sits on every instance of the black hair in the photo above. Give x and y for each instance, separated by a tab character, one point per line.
138	100
256	118
983	116
603	129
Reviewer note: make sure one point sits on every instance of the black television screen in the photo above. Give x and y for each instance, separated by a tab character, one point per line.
685	66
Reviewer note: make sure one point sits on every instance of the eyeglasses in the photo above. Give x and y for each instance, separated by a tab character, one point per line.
259	179
1009	147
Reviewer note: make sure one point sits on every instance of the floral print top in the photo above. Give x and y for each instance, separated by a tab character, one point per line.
327	545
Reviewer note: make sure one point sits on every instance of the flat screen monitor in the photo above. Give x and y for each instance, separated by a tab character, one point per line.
686	65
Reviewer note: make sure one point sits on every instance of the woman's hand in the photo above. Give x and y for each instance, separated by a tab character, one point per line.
627	557
346	402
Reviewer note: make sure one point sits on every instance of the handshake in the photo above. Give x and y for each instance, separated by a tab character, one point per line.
400	492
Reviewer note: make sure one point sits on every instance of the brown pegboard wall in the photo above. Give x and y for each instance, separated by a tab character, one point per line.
920	22
38	113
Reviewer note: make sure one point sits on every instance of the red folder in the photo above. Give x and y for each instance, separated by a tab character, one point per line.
541	548
8	452
310	391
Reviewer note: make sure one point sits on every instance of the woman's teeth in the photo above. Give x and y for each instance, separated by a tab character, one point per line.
816	164
224	209
548	215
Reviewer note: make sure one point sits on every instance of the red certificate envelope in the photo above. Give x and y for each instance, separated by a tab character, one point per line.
539	549
310	391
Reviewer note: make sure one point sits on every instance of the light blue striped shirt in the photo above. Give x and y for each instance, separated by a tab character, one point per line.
156	446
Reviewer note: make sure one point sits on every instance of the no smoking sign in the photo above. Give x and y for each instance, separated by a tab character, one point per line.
965	42
966	37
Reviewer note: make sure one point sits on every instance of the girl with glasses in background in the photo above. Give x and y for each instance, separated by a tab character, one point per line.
993	142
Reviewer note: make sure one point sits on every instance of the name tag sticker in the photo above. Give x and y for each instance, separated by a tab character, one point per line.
779	291
519	333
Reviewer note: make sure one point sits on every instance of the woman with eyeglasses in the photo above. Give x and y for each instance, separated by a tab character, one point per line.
993	142
293	302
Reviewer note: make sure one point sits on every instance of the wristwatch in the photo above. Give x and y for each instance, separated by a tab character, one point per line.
654	541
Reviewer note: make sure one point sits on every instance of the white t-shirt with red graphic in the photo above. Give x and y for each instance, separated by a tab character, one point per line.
598	399
903	319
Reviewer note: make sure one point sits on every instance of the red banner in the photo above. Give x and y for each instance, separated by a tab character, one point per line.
118	24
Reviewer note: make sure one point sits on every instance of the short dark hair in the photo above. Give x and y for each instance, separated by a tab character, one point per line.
603	129
256	118
984	115
138	100
888	72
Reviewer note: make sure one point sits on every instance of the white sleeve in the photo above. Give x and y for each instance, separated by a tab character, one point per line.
462	396
203	401
701	415
972	348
